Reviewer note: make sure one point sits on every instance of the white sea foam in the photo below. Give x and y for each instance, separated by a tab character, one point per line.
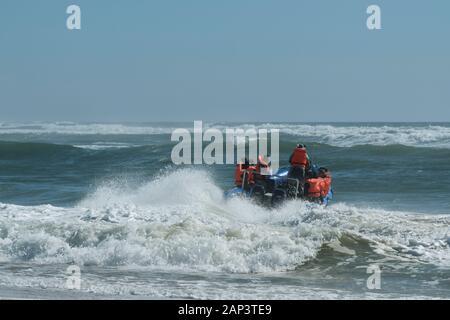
122	285
106	145
181	221
359	134
336	135
83	129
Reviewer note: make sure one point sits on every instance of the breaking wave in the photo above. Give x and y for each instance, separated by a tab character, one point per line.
182	221
66	128
437	136
340	135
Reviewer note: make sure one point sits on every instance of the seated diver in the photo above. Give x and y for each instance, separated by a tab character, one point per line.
316	189
300	162
247	173
244	174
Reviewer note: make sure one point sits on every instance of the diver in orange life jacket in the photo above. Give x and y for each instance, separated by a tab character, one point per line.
314	188
325	174
252	171
299	161
318	188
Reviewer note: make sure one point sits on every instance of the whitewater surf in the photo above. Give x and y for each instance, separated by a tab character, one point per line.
149	229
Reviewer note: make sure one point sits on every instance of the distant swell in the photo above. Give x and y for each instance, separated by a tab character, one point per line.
340	135
70	128
30	151
14	150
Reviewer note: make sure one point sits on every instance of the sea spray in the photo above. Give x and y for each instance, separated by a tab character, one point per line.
181	221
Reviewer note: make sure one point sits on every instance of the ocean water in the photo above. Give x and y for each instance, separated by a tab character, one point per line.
106	198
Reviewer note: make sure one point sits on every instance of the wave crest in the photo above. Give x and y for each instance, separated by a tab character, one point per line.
348	135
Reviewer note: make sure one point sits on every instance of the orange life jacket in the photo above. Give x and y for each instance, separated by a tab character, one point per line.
299	157
315	187
319	187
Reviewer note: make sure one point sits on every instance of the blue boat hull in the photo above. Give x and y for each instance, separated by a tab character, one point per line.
278	182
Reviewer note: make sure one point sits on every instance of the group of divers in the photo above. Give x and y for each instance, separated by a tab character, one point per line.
301	179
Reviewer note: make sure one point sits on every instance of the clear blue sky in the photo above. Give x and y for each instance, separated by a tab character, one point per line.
249	60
